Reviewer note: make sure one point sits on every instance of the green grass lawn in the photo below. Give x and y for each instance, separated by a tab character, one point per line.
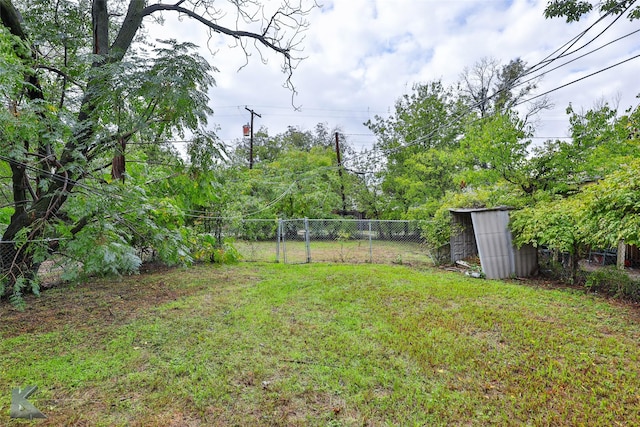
321	345
347	251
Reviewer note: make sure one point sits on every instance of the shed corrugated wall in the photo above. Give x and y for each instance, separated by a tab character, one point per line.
526	260
494	243
487	232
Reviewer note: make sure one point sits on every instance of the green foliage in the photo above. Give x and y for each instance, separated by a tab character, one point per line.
555	223
226	254
267	148
613	282
416	123
419	147
296	176
111	258
17	288
120	225
207	248
12	50
205	150
591	186
497	149
104	97
600	138
613	209
310	185
574	10
16	298
256	230
571	9
5	217
424	176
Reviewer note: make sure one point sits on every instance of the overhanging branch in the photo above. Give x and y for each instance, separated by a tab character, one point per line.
236	34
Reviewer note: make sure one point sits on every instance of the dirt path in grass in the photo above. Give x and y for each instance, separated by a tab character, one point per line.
95	302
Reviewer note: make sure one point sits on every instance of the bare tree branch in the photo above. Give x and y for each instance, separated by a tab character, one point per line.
60	73
237	34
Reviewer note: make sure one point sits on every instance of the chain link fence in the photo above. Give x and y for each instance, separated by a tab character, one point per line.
49	272
256	240
295	241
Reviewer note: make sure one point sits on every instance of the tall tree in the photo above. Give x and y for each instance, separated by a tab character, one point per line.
601	140
83	87
497	148
425	126
490	88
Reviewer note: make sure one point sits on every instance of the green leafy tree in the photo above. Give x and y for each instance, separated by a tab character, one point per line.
417	140
84	84
600	141
574	10
309	186
368	171
496	144
267	148
497	148
556	223
300	169
612	211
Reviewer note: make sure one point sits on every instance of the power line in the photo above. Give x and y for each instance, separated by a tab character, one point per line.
545	62
472	106
578	80
577	58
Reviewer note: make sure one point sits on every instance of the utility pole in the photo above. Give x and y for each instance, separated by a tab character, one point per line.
344	202
253	113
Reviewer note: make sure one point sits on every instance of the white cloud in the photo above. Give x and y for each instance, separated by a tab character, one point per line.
364	54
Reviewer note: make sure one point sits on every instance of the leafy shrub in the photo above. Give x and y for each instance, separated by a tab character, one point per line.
207	249
613	282
20	285
112	258
226	254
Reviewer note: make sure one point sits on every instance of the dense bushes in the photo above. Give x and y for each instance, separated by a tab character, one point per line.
613	282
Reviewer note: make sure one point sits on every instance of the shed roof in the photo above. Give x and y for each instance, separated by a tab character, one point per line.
469	210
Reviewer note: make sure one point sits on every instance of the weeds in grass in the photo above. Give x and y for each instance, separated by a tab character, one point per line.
613	282
324	345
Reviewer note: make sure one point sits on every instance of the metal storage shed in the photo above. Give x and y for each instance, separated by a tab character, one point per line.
485	232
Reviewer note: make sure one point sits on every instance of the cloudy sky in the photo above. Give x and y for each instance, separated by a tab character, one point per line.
362	55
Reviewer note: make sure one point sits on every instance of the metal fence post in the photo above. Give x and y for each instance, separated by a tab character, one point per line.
370	245
278	233
307	239
284	242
